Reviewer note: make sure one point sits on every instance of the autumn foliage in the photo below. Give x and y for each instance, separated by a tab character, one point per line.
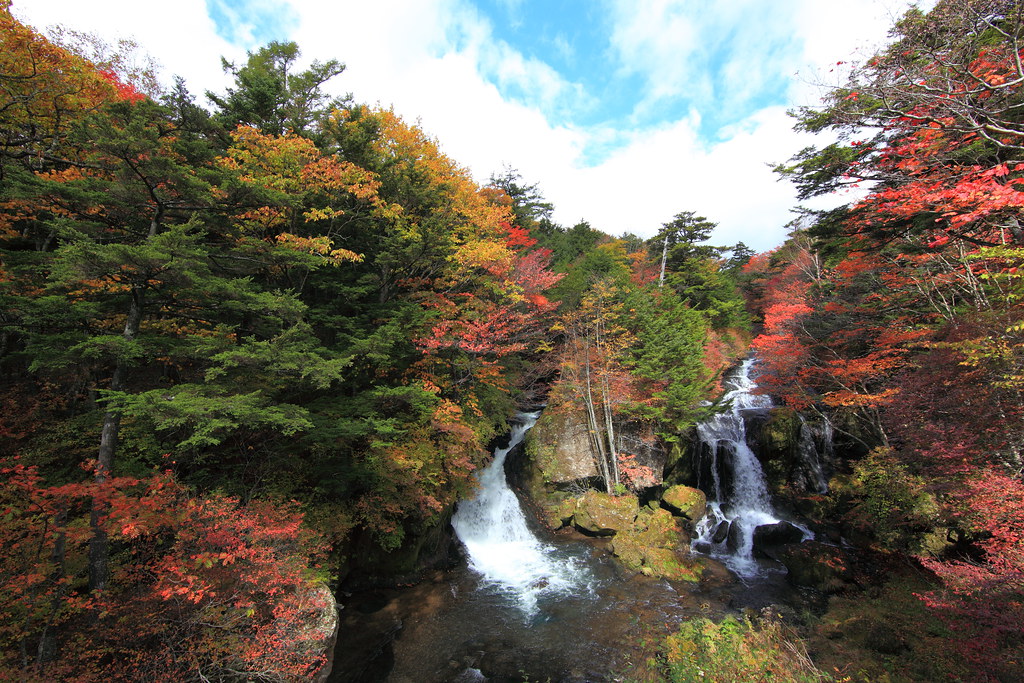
303	314
899	316
202	586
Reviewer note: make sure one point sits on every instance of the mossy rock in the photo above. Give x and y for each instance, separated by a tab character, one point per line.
671	565
559	512
664	563
685	501
629	552
655	546
600	514
657	529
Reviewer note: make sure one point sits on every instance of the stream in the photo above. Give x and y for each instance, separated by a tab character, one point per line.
529	604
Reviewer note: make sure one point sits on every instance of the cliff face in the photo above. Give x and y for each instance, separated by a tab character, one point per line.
561	450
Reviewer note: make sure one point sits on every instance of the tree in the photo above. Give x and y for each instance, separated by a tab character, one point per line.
695	270
528	205
205	587
906	309
140	278
679	242
45	90
670	355
270	96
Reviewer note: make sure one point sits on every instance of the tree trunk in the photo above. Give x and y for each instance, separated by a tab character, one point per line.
99	545
664	257
609	423
47	649
595	430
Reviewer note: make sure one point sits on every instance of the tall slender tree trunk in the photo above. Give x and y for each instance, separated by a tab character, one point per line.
99	544
46	651
595	430
609	422
664	257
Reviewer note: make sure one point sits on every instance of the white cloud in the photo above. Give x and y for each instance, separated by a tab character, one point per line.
431	60
183	40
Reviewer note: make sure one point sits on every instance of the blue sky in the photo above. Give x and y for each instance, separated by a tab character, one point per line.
584	42
625	112
251	23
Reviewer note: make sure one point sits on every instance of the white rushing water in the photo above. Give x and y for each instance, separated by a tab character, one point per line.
745	504
500	545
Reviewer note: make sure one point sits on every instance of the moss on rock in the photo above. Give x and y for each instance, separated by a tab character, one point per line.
559	512
600	514
655	546
685	501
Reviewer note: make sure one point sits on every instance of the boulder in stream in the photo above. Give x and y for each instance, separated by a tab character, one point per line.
685	501
768	538
721	532
600	514
655	546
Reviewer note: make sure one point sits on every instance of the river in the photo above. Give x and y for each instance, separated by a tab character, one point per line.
533	605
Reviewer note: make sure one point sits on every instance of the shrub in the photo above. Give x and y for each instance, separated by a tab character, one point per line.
739	652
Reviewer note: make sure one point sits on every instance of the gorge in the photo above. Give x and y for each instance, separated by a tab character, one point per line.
259	355
527	603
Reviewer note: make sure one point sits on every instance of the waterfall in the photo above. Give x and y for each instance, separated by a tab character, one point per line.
739	502
508	557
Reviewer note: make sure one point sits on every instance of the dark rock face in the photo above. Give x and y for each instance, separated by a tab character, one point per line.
768	538
423	550
721	532
366	651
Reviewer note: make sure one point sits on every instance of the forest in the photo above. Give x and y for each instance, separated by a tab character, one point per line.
252	356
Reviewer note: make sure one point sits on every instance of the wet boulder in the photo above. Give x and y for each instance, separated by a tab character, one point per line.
686	502
768	538
655	546
559	512
721	532
732	536
600	514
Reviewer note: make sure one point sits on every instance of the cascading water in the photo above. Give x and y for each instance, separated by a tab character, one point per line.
742	504
522	609
500	545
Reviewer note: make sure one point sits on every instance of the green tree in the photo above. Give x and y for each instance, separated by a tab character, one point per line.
143	279
696	271
270	95
669	354
528	205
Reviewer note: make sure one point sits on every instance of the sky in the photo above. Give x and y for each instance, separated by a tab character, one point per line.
623	112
